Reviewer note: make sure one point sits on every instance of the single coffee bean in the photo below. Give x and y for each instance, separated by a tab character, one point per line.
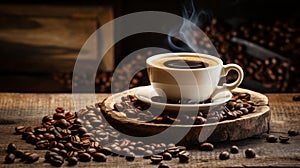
234	149
183	156
60	110
63	153
10	158
224	155
293	132
20	129
147	154
271	139
18	153
99	157
31	158
130	156
163	165
56	160
72	161
167	156
42	144
84	157
206	147
173	151
11	148
296	98
156	159
250	153
105	150
58	116
49	154
46	119
283	139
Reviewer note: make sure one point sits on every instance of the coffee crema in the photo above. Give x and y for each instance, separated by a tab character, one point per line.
185	62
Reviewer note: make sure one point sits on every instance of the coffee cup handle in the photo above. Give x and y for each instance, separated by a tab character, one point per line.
233	85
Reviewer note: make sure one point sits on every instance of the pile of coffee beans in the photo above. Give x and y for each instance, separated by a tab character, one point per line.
69	138
239	105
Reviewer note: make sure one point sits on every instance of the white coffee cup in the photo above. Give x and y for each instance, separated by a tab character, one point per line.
197	84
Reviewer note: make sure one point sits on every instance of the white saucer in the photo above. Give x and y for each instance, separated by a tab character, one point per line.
146	92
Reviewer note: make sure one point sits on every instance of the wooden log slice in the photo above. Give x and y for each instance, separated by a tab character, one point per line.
228	130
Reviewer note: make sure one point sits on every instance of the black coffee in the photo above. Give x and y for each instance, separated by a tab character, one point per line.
185	64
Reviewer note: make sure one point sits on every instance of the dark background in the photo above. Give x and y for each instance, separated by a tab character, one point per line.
25	67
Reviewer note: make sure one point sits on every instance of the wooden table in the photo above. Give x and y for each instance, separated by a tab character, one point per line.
28	109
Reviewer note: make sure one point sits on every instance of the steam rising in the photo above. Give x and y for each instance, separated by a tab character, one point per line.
193	38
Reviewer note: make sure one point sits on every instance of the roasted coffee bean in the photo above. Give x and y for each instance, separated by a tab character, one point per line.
42	144
56	160
224	155
56	150
206	147
20	129
234	149
163	165
271	139
183	156
46	119
10	158
105	150
293	132
283	139
173	151
62	123
60	110
72	161
99	157
63	153
84	157
49	154
130	156
147	154
31	158
296	98
58	116
250	153
18	153
11	148
156	159
167	156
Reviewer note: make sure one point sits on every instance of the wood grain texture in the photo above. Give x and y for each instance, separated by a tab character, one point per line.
28	109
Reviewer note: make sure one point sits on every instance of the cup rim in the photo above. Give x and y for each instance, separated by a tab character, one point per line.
150	59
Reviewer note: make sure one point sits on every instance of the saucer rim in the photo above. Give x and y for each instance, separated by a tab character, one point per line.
178	105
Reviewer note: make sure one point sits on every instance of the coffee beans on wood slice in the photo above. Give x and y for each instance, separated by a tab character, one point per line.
11	147
234	149
99	157
156	159
271	139
283	139
224	155
10	158
250	153
184	156
293	132
206	147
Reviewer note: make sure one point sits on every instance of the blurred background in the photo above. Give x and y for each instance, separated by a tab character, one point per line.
40	41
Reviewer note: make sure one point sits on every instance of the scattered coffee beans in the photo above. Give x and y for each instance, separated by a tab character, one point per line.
11	148
10	158
293	132
271	139
206	147
163	165
184	156
234	149
99	157
250	153
283	139
224	155
156	159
